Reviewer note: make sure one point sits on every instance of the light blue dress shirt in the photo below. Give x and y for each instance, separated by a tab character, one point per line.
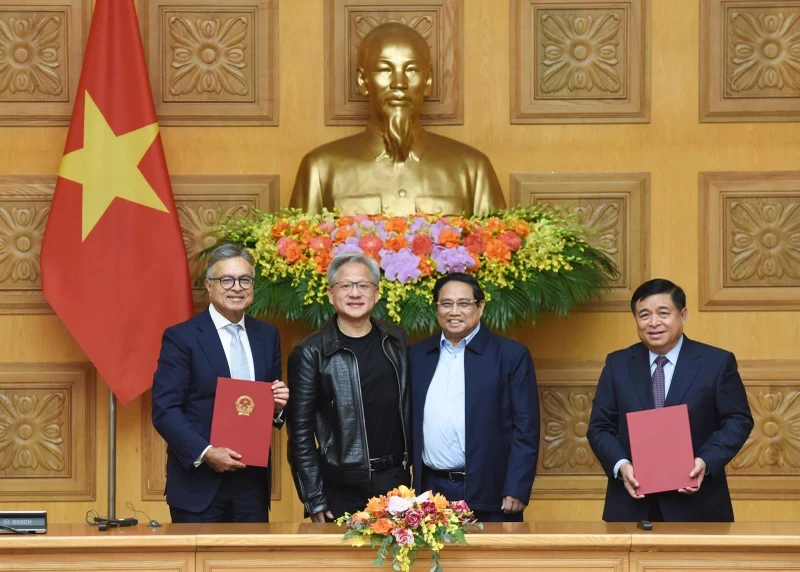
669	371
443	422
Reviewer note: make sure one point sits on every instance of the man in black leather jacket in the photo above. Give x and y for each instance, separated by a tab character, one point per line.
349	419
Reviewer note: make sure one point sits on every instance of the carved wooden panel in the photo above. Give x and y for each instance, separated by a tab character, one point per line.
439	21
154	457
205	201
47	438
24	207
750	241
749	61
212	63
41	49
614	210
580	61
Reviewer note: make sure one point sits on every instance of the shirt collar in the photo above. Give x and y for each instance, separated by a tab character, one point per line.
444	342
672	355
221	321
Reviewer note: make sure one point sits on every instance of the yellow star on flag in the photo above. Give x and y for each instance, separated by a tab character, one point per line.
107	167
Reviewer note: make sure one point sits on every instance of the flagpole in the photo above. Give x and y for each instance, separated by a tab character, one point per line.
112	455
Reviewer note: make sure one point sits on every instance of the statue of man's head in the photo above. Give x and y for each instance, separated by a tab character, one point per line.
394	71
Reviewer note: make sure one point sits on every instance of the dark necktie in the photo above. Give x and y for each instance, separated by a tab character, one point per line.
659	393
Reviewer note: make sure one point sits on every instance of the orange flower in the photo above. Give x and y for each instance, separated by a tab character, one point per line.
323	260
343	234
425	266
279	229
377	505
475	243
361	516
383	526
397	224
396	243
458	222
440	501
293	253
495	226
449	238
477	260
305	238
496	249
520	227
345	221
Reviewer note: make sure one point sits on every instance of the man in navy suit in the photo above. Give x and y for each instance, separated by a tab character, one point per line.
207	483
475	408
665	369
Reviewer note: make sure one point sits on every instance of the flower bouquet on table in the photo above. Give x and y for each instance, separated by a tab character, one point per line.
400	523
527	260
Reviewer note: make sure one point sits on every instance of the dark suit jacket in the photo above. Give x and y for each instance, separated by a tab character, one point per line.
184	386
707	380
502	416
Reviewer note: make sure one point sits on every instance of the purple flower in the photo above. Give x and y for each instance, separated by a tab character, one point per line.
401	265
403	536
451	259
439	226
350	245
417	224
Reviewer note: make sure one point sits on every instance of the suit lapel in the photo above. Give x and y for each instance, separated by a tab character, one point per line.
640	375
257	345
209	339
685	371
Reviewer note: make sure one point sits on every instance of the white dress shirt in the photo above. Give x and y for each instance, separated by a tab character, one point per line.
443	422
669	371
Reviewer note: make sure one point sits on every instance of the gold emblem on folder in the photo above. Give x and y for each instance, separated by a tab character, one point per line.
245	405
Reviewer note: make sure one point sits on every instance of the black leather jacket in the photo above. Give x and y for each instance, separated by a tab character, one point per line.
325	415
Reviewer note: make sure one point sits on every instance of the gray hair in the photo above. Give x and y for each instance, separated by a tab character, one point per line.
226	251
352	258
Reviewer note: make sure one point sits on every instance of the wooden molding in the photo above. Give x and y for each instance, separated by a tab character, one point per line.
48	41
439	21
48	415
614	209
212	64
748	63
580	61
749	241
24	207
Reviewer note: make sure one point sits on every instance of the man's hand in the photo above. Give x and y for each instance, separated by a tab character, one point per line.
631	484
699	471
321	516
281	393
223	460
511	504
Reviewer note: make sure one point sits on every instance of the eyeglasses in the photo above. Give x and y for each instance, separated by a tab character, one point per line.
346	287
447	305
227	282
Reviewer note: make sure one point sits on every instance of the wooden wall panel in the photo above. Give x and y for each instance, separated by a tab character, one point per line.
614	211
41	49
47	439
212	63
750	255
439	21
749	61
580	61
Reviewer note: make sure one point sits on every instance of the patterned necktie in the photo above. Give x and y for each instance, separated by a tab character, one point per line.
658	381
239	367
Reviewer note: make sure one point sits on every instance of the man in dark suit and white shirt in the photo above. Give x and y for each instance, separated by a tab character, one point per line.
207	483
665	369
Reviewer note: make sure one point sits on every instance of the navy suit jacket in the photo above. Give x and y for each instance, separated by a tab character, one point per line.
502	416
184	386
707	380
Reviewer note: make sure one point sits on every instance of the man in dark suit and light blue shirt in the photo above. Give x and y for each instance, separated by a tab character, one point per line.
207	483
665	369
476	408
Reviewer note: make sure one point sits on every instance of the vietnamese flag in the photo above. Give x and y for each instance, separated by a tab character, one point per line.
113	262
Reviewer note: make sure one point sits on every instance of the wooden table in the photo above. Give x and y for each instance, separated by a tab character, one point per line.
561	547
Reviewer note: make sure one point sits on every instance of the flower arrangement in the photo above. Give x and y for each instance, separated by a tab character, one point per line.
527	260
400	523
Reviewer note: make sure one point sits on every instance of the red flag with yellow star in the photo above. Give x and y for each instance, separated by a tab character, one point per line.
113	262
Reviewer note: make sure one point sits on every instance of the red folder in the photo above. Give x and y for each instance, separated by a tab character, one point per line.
661	449
242	420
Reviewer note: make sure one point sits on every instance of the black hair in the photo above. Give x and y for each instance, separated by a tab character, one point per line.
477	291
659	286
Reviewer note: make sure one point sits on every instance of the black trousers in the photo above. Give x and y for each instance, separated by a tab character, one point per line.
352	497
454	490
243	496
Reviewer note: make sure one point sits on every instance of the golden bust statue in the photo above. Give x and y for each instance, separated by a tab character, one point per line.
395	166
